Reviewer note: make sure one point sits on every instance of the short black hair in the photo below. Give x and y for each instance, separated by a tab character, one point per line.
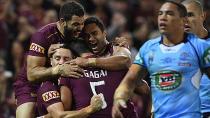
69	9
180	7
97	21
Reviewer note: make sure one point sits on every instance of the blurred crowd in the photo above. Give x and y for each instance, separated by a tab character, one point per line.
19	19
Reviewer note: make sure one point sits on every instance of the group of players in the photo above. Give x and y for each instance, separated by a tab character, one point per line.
60	79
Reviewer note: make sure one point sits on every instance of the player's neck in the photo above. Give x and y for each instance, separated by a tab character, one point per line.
61	30
171	40
203	33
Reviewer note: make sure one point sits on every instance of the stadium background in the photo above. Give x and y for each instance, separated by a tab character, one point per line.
19	19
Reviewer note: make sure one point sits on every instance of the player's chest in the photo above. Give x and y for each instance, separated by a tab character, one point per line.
180	59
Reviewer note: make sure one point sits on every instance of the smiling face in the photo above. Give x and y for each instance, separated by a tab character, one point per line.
169	20
95	37
74	26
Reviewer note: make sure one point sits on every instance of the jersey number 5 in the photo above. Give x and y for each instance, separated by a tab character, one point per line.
93	88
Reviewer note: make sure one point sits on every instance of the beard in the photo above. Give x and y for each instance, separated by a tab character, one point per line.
76	44
68	35
71	34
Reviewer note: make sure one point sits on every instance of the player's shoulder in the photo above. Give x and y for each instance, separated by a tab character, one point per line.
194	39
48	29
151	42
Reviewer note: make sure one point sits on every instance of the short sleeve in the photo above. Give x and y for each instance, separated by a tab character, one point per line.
48	94
139	59
38	45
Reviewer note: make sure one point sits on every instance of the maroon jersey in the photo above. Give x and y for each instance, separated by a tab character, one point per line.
47	94
40	42
96	81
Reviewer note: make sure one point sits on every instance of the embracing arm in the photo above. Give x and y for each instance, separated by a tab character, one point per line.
36	71
121	59
57	111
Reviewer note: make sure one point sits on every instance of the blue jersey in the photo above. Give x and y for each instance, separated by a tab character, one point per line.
175	75
205	89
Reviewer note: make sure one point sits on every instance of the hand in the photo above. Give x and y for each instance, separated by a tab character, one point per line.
118	104
70	70
96	103
121	41
53	48
82	62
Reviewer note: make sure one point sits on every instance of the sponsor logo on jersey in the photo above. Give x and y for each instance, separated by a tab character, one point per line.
151	58
95	73
167	60
186	64
207	56
50	95
36	48
184	56
167	80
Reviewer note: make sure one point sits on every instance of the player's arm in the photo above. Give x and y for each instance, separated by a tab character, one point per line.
66	97
121	59
36	71
126	88
56	110
37	57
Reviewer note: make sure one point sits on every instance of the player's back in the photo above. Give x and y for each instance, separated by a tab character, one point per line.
96	81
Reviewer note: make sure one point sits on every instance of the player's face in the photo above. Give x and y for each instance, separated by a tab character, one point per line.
195	18
95	38
74	26
169	20
61	56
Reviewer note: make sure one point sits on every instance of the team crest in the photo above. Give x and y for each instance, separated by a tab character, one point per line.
167	80
50	95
